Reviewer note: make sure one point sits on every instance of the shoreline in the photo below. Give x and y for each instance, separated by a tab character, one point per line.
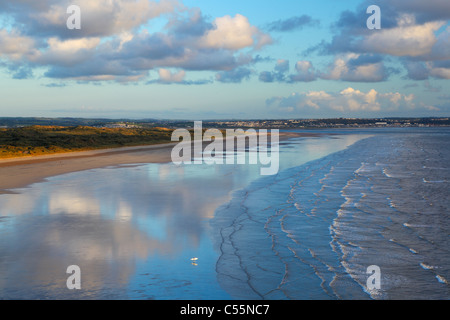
23	171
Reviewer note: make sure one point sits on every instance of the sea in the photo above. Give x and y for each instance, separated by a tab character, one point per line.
352	214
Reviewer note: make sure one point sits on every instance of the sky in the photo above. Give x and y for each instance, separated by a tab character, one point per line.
210	59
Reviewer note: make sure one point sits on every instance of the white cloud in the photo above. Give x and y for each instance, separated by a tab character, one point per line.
415	31
72	45
348	67
348	101
305	72
102	17
114	42
407	39
442	73
66	52
418	70
234	33
111	46
15	46
166	76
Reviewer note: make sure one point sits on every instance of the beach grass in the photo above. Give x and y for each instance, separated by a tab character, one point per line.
43	140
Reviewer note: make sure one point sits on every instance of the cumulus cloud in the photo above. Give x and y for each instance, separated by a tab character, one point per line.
278	74
15	46
176	77
356	67
413	32
349	101
419	70
166	76
345	67
234	33
407	39
438	70
282	66
423	10
305	72
114	42
99	18
416	70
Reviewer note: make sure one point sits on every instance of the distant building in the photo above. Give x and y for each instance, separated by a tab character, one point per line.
121	125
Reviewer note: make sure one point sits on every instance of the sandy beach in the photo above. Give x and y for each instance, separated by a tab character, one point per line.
20	172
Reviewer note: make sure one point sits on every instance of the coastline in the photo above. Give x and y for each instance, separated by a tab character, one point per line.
316	217
21	172
315	229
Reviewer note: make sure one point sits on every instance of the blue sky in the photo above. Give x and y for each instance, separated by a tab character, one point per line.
208	59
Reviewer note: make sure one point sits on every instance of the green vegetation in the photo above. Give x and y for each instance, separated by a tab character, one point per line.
39	140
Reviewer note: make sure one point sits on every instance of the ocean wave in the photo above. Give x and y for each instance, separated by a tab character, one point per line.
441	279
326	221
436	181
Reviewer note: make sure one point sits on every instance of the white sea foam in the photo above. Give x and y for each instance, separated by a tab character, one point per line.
436	181
441	279
426	266
386	173
359	207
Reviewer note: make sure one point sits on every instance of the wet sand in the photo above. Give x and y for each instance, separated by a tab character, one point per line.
20	172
